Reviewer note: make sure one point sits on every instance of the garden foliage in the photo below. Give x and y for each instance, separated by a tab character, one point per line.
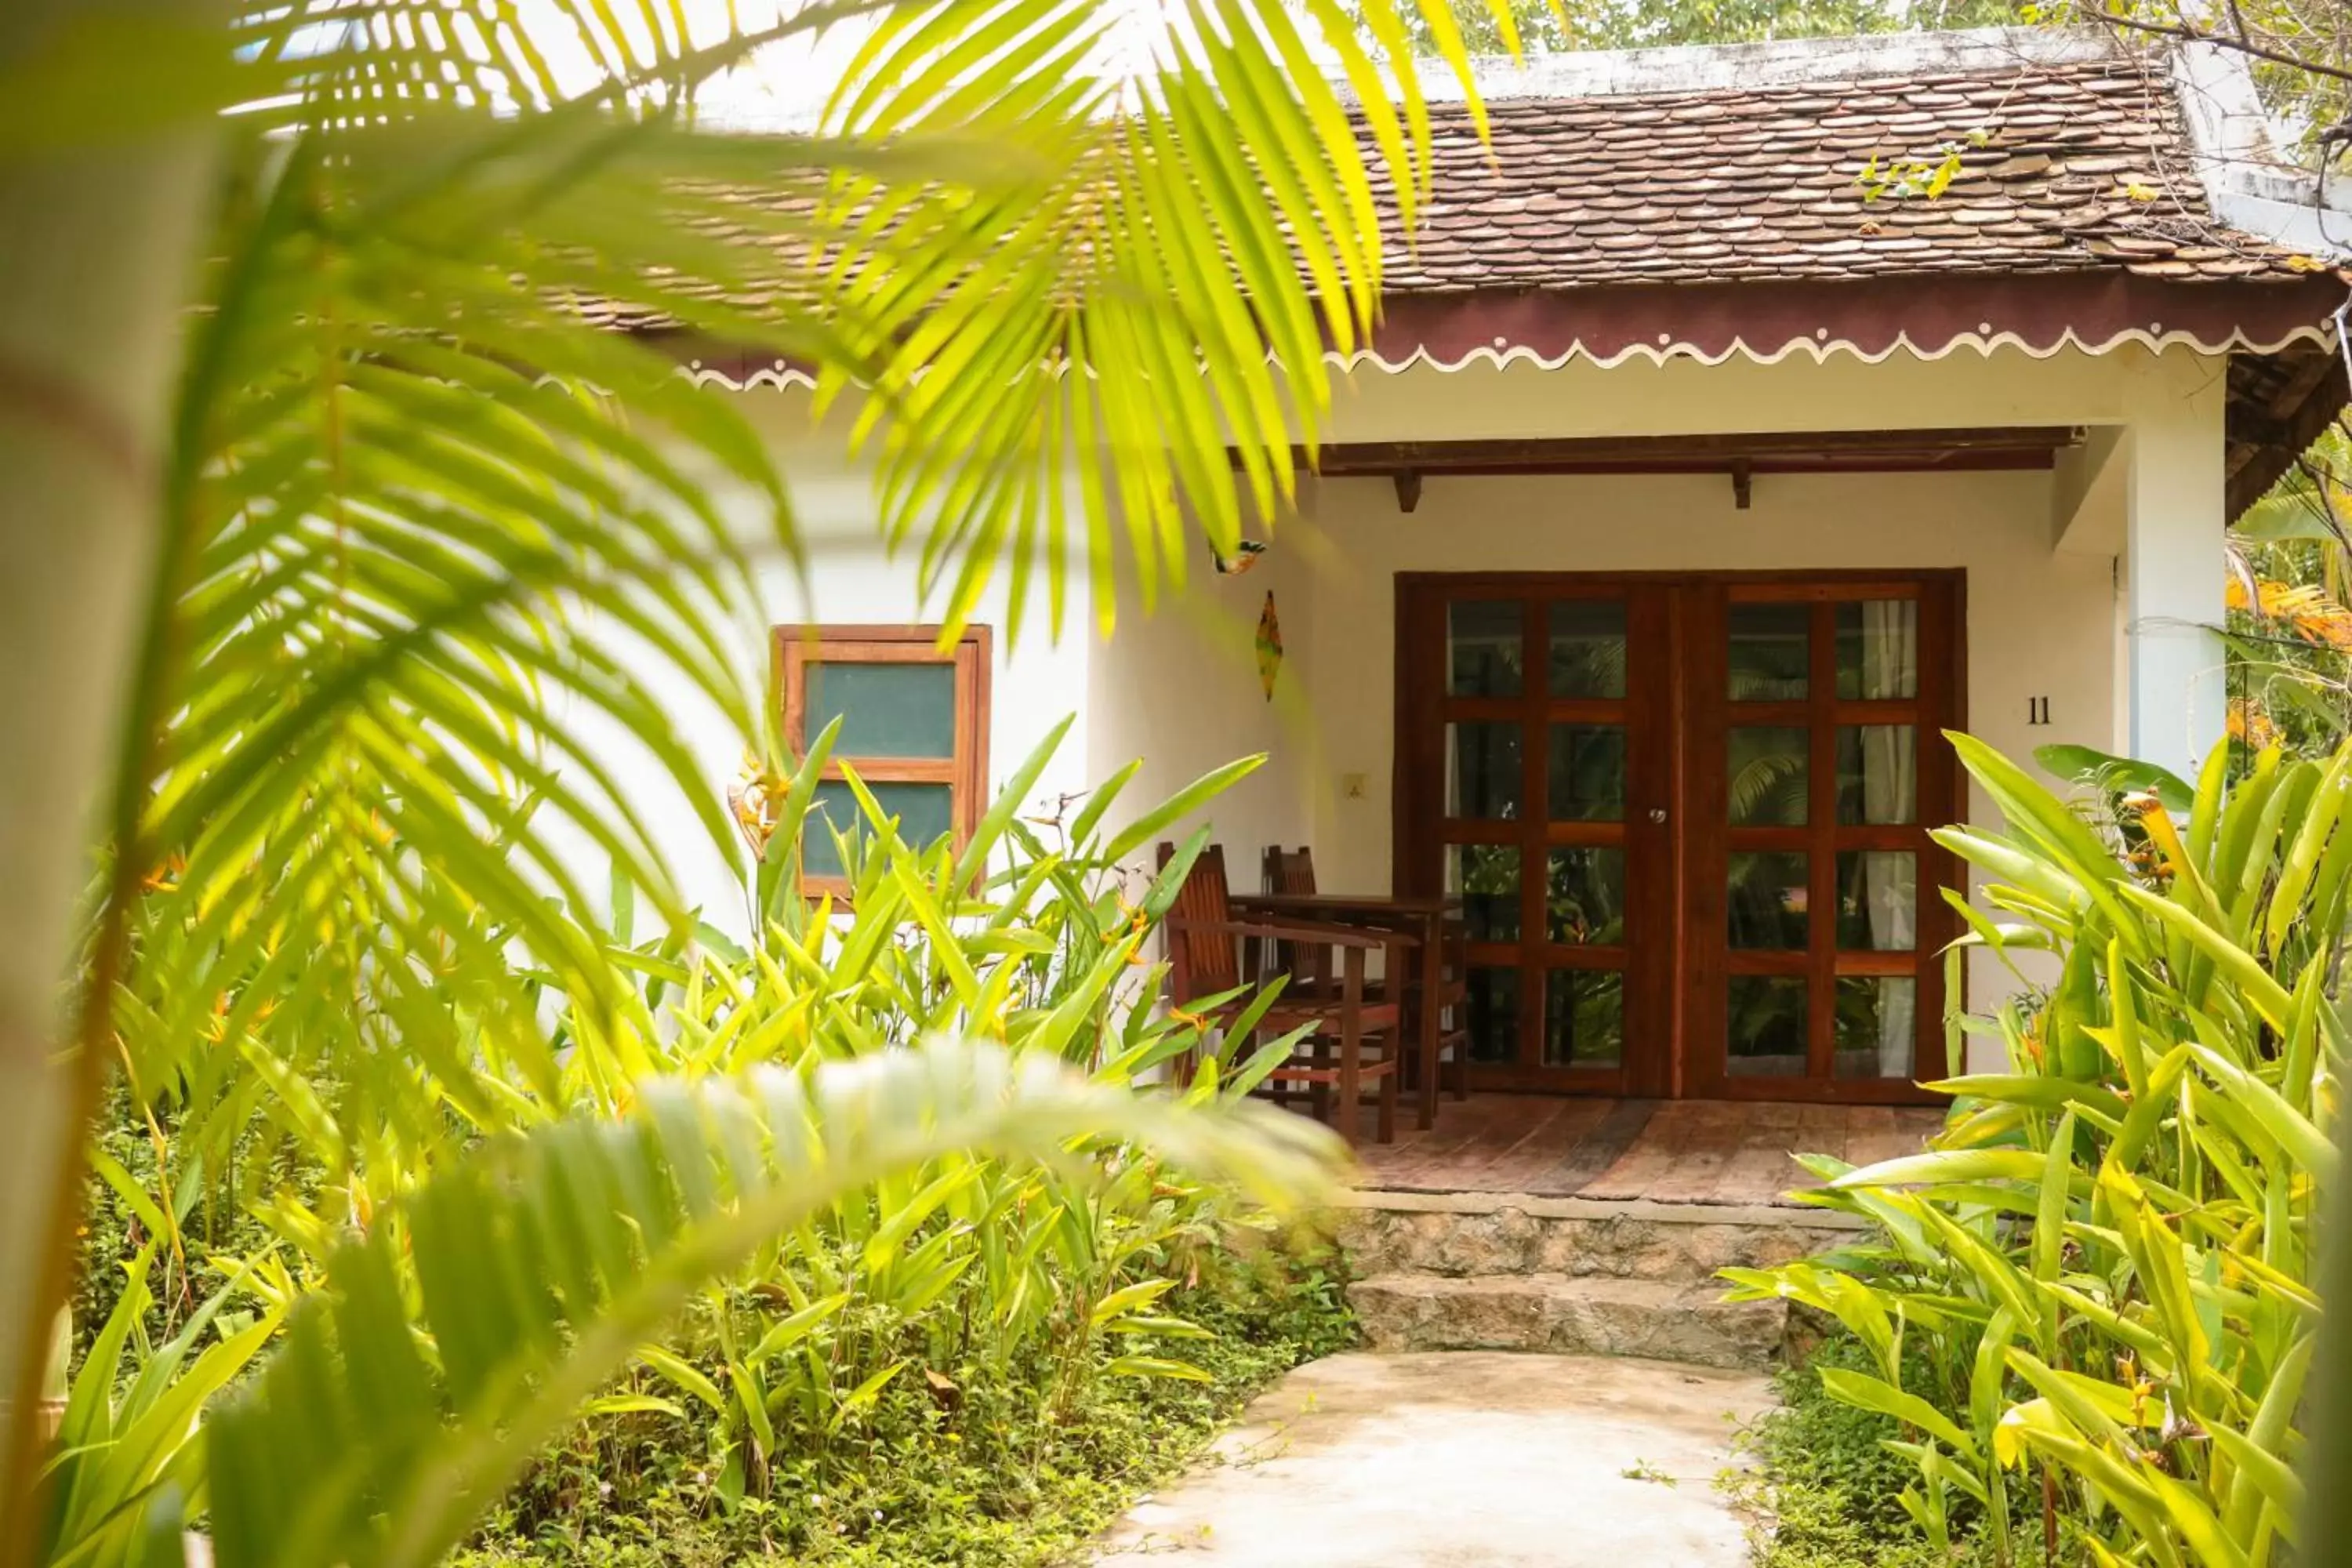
776	1190
2091	1300
425	528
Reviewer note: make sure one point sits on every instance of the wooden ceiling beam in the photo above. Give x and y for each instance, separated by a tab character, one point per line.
1778	451
2299	381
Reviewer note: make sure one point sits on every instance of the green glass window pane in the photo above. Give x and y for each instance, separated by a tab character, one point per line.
1768	895
1483	778
1584	1018
1878	900
1584	901
1771	649
1494	1006
1766	1034
1878	1026
1771	769
1588	773
1588	647
1484	649
1485	876
886	710
1877	774
925	813
1879	650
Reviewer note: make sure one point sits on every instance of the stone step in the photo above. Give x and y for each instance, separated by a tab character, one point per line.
1474	1236
1569	1315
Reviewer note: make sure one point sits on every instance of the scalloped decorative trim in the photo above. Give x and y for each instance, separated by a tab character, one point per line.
779	377
782	376
1821	348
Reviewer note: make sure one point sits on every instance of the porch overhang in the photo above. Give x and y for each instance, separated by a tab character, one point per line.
2287	378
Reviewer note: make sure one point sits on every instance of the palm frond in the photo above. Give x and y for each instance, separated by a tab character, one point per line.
435	536
1770	789
1143	322
543	1271
434	548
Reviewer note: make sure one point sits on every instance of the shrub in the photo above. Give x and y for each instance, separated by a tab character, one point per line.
969	1315
990	1481
2102	1270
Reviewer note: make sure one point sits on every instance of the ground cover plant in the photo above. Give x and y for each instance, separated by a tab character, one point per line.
978	1474
2091	1306
896	1337
1817	1483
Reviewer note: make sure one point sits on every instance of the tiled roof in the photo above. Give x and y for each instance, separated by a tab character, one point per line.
1711	202
2074	166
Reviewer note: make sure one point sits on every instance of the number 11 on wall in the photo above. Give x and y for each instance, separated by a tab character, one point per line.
2037	711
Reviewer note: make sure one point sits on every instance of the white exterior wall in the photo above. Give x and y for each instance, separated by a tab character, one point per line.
1179	690
2083	583
2174	491
851	581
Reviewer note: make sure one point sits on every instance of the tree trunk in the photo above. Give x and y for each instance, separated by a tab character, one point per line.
96	241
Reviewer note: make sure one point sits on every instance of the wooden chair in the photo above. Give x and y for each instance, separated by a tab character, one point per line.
1454	1001
1355	1040
1289	870
1293	871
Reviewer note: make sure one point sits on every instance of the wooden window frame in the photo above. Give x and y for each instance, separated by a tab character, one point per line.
965	772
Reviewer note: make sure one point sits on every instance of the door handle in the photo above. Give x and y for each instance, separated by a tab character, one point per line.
1658	814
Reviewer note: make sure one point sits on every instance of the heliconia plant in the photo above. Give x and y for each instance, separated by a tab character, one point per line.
2093	1295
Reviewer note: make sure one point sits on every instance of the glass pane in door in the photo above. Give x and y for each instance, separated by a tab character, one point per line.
1768	895
1767	1025
1878	1026
1588	648
1771	658
1878	909
1771	769
1483	779
1584	897
1588	773
1584	1018
1486	878
1484	647
1879	650
1494	1015
1877	774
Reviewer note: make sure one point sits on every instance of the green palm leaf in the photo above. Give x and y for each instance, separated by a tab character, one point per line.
431	545
543	1269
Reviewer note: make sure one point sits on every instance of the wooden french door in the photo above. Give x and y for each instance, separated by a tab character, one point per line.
1686	816
1535	752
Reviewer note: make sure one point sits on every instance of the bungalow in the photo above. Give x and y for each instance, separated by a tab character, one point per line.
1704	468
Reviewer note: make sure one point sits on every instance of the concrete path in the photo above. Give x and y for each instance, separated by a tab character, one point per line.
1467	1460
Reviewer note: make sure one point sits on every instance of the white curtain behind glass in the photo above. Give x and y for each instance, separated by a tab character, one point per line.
1890	668
1452	772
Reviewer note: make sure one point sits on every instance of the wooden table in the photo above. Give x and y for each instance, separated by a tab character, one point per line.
1423	914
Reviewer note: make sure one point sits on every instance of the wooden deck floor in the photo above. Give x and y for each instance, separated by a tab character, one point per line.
1687	1150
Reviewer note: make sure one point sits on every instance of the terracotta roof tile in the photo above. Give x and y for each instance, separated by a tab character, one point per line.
2073	166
